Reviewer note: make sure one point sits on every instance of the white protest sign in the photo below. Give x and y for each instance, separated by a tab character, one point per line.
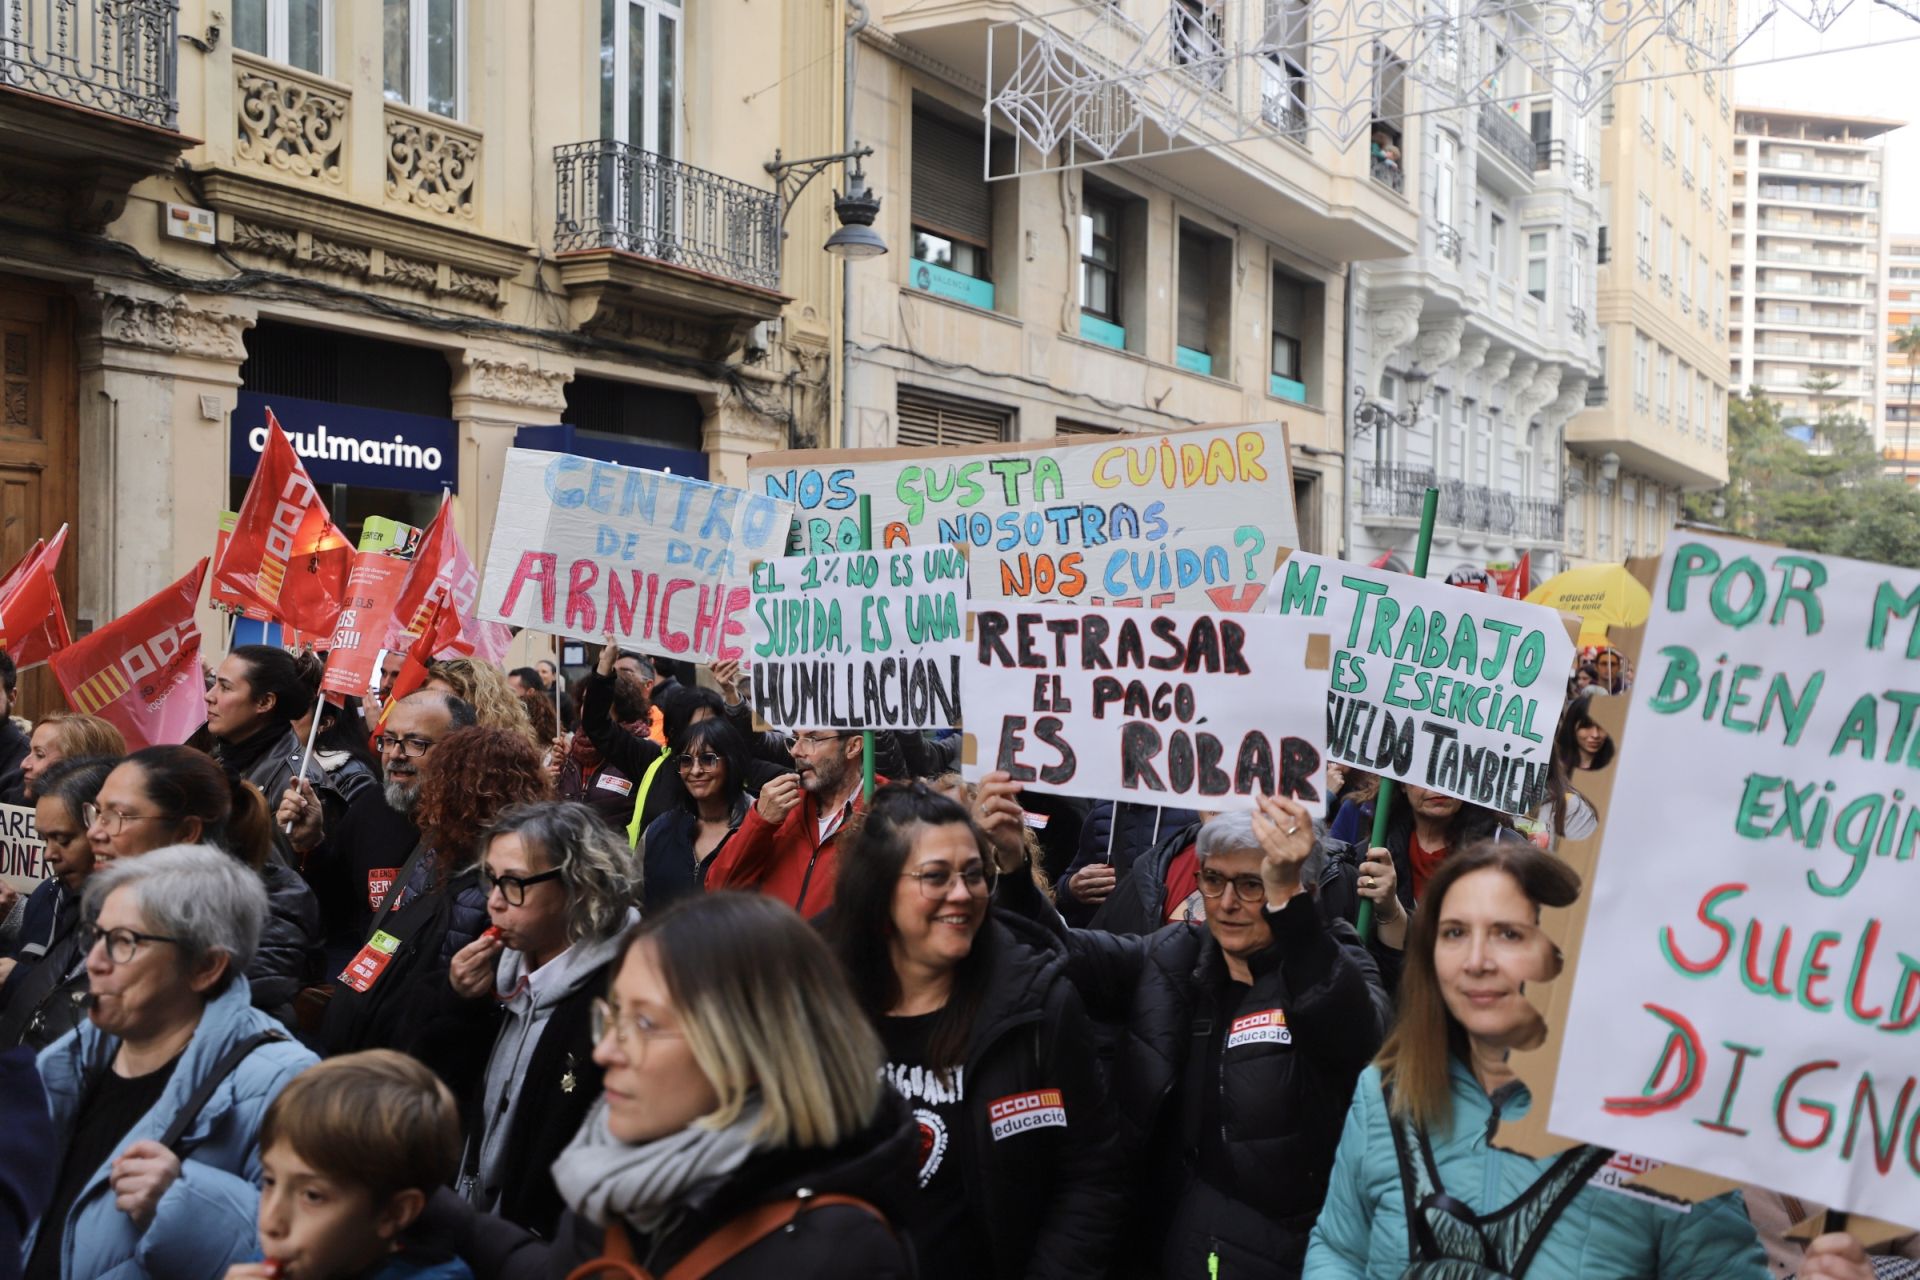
1195	710
23	854
864	640
581	545
1182	519
1450	690
1749	990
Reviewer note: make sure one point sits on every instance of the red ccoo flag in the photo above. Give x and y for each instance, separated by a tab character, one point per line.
141	672
285	556
1522	579
33	619
442	563
437	634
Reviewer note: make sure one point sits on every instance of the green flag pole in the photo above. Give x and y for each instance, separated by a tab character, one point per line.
866	736
1383	802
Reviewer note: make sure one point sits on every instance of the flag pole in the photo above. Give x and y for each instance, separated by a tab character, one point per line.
866	736
1383	801
306	758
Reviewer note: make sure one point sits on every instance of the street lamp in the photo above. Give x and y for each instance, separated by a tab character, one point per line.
855	209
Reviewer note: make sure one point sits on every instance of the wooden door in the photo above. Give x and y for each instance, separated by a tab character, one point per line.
39	446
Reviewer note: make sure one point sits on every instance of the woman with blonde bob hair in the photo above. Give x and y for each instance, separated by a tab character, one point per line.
65	735
1420	1185
743	1113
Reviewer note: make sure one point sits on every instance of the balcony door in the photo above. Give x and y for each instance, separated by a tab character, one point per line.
39	465
640	48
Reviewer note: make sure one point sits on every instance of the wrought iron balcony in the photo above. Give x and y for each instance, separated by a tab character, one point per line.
611	195
1387	490
1507	138
1447	240
1387	174
1578	320
114	56
1541	520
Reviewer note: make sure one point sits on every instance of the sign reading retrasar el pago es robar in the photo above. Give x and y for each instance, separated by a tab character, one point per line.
1454	691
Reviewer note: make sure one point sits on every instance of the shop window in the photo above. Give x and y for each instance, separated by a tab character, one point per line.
290	31
422	55
1205	300
936	421
952	213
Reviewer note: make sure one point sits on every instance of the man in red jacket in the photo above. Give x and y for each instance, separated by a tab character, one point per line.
786	845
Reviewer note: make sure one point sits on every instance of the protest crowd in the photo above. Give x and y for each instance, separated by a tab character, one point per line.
478	971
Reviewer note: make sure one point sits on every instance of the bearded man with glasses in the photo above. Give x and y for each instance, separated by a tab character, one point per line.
786	846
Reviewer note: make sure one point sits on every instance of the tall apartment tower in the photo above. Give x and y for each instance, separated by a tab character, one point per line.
1900	373
1809	242
1655	425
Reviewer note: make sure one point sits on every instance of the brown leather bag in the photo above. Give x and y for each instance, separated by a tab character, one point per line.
736	1237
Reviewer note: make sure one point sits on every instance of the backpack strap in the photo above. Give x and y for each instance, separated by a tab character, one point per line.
755	1225
197	1100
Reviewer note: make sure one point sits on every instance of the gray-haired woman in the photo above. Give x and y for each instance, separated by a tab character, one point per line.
510	1029
169	936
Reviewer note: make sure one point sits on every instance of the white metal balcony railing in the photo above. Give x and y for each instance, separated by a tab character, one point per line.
115	56
1505	136
1447	242
614	196
1797	195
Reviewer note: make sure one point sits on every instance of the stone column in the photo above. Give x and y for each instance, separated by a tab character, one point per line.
735	430
495	393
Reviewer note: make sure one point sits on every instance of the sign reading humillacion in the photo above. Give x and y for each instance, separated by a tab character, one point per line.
1450	690
582	548
865	640
1183	519
1195	710
1749	990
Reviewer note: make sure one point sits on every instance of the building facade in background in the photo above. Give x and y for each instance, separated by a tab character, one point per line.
1654	426
1809	244
1476	350
443	224
1900	370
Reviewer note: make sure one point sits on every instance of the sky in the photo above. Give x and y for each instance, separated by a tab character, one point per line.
1873	81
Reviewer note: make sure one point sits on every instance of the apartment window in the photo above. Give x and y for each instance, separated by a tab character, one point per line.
1100	258
933	420
1669	107
1576	277
1684	389
1643	234
1283	74
1719	297
1704	166
1666	255
1537	245
1686	265
1204	286
1629	518
1292	307
952	207
1686	146
1496	232
1446	156
423	56
290	31
640	59
1646	99
1199	39
1663	383
1700	405
1639	365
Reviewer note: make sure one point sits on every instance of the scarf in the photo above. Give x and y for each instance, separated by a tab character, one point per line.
601	1177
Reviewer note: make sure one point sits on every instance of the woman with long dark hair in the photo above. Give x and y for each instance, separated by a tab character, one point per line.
706	797
1584	745
987	1039
256	696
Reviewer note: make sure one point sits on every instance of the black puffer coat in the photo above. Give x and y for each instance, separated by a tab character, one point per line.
1273	1063
828	1243
1138	903
1047	1198
289	954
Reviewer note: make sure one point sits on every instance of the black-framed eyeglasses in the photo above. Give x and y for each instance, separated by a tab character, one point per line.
1249	889
603	1018
514	888
412	746
937	882
113	821
122	944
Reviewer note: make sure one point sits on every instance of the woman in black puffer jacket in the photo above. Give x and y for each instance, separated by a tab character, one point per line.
1244	1037
988	1042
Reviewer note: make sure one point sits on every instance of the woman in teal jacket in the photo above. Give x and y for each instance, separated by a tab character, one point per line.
172	932
1441	1085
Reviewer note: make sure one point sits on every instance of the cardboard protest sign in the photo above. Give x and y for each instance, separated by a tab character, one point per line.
1182	519
1749	993
23	854
581	547
865	640
1454	691
1195	710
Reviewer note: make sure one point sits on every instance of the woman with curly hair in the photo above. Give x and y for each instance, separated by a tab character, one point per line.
485	686
436	904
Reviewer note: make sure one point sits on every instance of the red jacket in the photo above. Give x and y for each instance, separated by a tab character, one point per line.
787	861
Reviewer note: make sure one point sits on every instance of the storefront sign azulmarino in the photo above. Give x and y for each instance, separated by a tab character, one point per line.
347	444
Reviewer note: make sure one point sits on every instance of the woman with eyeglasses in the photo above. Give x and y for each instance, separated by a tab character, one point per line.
162	796
1245	1034
509	1029
46	978
168	936
708	799
1420	1185
742	1099
986	1040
